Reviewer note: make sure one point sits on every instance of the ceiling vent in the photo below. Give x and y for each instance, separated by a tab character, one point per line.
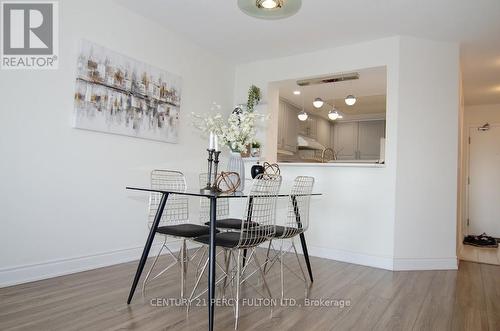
328	79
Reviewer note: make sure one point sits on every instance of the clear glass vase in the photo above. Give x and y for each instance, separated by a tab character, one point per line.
237	165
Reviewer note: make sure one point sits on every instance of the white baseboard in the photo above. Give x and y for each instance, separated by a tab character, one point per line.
33	272
382	262
426	264
375	261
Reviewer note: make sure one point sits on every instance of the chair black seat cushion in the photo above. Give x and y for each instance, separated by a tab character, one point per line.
184	230
229	239
289	231
231	223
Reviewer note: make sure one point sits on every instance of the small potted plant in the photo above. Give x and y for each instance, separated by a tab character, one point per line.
255	149
254	97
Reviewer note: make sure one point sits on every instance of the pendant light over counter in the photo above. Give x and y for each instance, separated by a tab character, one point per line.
350	100
302	116
318	103
333	114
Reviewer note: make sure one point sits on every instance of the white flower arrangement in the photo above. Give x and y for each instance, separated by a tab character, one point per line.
236	131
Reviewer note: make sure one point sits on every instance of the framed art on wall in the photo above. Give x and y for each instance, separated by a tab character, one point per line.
117	94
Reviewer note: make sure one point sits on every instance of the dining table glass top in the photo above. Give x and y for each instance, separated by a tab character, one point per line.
211	193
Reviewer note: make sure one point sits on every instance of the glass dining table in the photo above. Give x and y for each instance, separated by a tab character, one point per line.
213	196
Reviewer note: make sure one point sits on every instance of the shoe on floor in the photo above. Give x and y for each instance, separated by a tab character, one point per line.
481	241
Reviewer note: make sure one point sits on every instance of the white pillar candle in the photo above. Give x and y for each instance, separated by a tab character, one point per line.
211	141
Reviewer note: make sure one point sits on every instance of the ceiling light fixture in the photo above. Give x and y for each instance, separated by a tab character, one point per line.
296	92
270	9
318	103
350	100
302	116
333	114
269	4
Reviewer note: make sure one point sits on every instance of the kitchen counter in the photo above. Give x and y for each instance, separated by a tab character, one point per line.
333	164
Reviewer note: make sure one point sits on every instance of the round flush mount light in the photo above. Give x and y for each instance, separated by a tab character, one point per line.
350	100
333	114
269	4
296	92
318	103
302	116
270	9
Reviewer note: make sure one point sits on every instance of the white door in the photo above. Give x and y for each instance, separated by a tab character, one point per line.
484	181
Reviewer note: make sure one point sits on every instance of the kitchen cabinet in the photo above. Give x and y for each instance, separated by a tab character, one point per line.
281	129
323	128
287	127
358	140
369	134
308	127
345	140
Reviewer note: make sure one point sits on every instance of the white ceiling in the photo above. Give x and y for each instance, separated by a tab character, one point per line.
219	26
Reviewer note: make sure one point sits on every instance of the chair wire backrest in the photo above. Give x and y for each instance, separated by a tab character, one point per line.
222	204
260	211
297	219
177	209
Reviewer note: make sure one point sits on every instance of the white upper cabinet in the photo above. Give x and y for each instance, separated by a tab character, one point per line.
287	127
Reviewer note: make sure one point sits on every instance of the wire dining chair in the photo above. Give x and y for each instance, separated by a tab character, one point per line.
258	227
174	221
295	223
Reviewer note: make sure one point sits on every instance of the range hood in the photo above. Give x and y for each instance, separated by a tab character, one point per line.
328	79
304	142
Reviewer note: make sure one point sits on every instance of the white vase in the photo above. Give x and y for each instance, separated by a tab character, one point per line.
237	165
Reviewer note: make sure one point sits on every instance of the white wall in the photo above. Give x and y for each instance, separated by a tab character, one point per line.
398	216
63	203
354	220
427	155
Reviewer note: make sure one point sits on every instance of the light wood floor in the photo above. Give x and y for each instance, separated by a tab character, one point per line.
467	299
479	254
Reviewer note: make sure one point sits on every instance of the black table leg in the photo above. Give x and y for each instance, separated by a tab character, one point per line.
302	237
211	264
147	247
249	217
306	255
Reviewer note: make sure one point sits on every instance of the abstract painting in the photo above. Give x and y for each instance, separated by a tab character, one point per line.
117	94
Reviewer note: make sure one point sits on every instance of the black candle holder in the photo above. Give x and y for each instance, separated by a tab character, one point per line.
216	166
209	170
